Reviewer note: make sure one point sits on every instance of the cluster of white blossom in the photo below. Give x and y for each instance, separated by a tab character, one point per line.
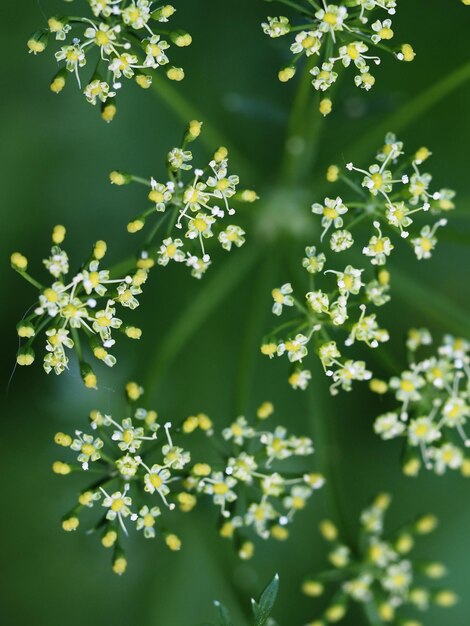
138	471
143	474
332	37
381	573
123	39
195	201
434	406
72	309
254	483
387	200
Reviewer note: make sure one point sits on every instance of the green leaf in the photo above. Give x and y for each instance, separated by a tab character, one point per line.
224	615
262	609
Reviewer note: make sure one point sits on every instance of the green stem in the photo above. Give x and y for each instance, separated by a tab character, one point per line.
183	109
251	340
31	280
216	289
410	112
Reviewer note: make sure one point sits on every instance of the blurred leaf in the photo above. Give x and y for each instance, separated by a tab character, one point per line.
262	609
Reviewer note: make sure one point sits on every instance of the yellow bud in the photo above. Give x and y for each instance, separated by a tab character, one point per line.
426	524
202	469
378	386
332	173
190	424
312	588
404	543
335	612
108	111
422	154
70	524
187	502
143	80
38	41
175	73
407	53
279	532
411	467
269	349
286	73
100	353
445	598
166	11
204	422
58	83
145	264
246	551
25	330
19	262
181	39
133	332
220	154
194	130
58	234
86	498
328	530
109	539
61	439
99	250
61	468
134	391
25	358
435	570
248	195
326	106
265	410
384	277
226	530
120	566
135	226
90	381
173	542
118	178
386	612
382	501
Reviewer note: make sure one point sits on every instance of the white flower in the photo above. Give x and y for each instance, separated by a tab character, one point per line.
146	520
282	297
299	379
155	52
170	250
98	90
58	263
382	31
341	240
331	210
238	431
422	430
308	42
313	262
389	426
296	348
276	26
323	77
332	17
232	235
123	65
137	14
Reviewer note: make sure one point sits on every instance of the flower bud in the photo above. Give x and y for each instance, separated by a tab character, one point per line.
19	262
175	73
58	81
25	356
181	38
38	41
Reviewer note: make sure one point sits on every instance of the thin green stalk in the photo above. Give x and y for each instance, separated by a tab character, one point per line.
211	136
216	289
251	340
410	112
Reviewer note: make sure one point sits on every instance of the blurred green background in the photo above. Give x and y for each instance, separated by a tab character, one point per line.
55	157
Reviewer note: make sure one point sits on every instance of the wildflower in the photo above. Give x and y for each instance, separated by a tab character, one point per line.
282	297
331	210
434	408
376	573
84	304
117	28
194	200
341	36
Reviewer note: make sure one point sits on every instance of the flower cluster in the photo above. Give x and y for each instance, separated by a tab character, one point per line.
380	575
76	309
138	471
253	480
121	39
433	396
337	36
386	201
144	471
192	200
